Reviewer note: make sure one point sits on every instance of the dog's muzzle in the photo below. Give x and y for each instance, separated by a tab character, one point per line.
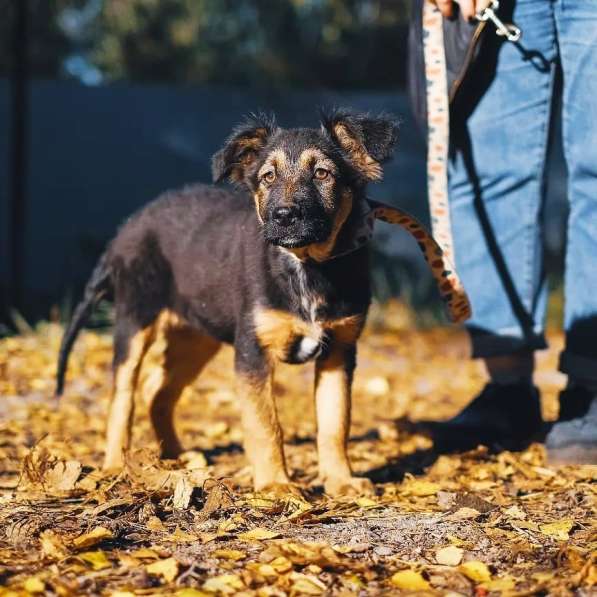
291	227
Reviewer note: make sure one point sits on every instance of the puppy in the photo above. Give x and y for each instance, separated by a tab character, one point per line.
264	269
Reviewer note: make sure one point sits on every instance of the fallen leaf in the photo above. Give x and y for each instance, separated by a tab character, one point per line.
97	559
226	584
183	491
229	554
306	584
559	530
449	556
63	476
33	584
420	488
52	545
409	580
476	571
167	569
94	536
258	534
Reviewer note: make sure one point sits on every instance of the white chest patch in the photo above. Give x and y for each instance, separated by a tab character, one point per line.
307	349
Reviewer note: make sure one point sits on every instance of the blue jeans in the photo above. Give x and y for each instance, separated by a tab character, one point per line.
499	145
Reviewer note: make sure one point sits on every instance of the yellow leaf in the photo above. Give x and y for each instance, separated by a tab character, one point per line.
64	475
230	554
281	564
183	491
97	559
306	584
34	585
144	553
168	569
558	530
499	585
52	545
409	580
94	536
258	534
179	536
365	502
122	594
190	592
225	583
449	556
476	571
155	524
421	488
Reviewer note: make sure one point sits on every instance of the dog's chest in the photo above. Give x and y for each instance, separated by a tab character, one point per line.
306	329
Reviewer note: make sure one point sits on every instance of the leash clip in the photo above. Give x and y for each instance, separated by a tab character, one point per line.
508	30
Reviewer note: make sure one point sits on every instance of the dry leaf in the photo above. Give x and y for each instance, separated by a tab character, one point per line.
409	580
559	530
183	490
306	584
63	476
225	584
95	536
475	570
34	584
52	545
449	556
419	488
97	559
167	569
258	534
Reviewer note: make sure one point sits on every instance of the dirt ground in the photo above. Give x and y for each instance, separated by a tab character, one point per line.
472	523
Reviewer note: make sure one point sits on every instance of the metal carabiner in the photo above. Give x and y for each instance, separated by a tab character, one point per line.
508	30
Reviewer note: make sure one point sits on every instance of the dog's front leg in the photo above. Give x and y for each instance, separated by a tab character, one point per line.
333	381
262	433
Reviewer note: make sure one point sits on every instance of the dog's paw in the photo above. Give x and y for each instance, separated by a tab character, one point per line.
281	490
353	486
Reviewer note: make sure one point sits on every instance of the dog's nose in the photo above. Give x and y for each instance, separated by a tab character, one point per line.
285	216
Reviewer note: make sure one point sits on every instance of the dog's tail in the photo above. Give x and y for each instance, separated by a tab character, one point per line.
97	287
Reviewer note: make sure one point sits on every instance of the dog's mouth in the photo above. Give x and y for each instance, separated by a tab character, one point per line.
301	234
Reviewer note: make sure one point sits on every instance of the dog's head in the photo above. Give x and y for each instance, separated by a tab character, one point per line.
304	180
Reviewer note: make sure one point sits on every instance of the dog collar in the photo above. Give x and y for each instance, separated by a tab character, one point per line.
449	285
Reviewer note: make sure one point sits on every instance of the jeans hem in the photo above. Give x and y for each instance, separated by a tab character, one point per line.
485	345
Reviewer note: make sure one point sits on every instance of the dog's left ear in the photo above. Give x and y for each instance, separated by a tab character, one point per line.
241	148
366	141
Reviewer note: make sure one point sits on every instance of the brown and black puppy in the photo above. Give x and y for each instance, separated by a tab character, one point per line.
204	266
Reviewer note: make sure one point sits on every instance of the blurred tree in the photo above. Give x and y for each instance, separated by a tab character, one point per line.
307	43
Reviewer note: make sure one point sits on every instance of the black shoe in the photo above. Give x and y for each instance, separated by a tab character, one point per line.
500	417
573	438
575	402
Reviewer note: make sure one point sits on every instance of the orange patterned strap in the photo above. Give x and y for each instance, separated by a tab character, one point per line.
447	280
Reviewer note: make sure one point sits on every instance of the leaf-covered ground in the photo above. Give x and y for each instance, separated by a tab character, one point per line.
463	524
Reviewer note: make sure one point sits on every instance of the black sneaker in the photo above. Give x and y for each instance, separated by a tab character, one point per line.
500	417
573	438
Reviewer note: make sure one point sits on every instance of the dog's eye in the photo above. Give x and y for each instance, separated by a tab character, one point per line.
321	173
269	177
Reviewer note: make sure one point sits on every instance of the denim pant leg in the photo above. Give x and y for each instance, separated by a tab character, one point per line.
496	184
576	23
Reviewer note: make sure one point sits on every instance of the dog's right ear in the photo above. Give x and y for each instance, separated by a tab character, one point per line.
242	147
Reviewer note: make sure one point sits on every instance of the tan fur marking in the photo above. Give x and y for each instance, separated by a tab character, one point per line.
276	329
346	330
122	406
362	160
175	358
332	399
262	433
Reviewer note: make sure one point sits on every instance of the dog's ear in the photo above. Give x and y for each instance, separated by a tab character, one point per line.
241	148
366	141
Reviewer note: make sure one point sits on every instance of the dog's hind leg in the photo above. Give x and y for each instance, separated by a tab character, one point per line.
130	345
182	353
